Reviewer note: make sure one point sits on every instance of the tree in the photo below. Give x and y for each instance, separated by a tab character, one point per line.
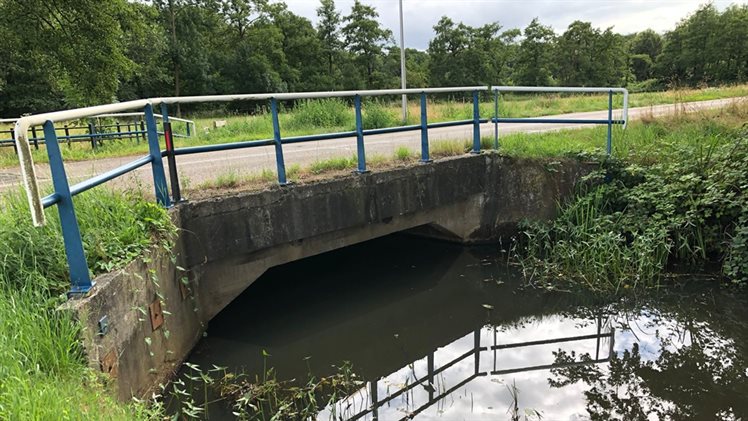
146	44
62	53
707	47
586	56
327	31
366	41
461	55
535	56
303	69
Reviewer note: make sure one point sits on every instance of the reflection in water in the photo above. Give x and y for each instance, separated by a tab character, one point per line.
441	332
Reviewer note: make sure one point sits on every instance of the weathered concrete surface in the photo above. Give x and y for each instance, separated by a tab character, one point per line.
226	243
136	356
230	241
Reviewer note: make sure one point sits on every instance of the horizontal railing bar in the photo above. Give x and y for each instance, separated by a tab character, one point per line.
313	95
387	130
50	200
412	414
219	147
579	89
436	371
109	175
554	120
450	124
551	341
315	137
548	366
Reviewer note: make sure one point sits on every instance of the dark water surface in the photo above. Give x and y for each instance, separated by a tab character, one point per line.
445	332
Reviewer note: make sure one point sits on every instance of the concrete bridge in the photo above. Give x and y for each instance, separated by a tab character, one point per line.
141	322
226	243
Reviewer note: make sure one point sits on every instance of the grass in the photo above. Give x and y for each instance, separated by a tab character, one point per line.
43	374
335	115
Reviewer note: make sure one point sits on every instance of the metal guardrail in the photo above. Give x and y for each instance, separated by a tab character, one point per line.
95	134
63	192
609	121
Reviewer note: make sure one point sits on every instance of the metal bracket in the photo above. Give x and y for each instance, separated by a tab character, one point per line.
103	325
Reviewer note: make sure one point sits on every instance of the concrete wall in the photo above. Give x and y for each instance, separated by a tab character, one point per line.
230	241
227	242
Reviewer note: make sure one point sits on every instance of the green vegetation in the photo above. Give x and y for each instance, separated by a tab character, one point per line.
263	397
43	374
81	52
672	201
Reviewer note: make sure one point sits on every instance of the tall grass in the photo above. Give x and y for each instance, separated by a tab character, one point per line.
42	370
674	202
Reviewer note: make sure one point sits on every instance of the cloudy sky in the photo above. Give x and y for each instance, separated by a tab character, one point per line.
625	16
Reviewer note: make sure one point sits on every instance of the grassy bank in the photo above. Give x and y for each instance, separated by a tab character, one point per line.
672	203
335	115
42	370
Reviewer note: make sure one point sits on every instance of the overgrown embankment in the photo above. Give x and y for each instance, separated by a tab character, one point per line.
43	374
674	203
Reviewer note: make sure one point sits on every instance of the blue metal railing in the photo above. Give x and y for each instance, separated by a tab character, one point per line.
63	192
609	121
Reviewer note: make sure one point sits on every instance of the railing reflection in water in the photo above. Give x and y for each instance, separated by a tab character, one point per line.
432	386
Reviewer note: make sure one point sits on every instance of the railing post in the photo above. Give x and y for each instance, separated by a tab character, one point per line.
157	164
142	130
496	120
280	163
34	138
424	130
476	345
12	137
80	281
119	129
189	133
609	144
476	123
176	194
430	368
360	136
67	135
92	132
374	393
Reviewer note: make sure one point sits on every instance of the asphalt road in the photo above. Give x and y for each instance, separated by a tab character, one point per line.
195	169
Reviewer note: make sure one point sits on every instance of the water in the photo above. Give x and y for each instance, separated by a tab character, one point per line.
443	332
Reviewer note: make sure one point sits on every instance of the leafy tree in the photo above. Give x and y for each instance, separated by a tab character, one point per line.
461	55
534	63
586	56
146	43
707	47
644	49
303	69
328	33
366	41
62	53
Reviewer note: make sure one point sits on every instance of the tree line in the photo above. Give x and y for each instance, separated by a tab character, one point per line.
67	53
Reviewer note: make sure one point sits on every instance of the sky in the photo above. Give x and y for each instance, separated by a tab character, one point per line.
625	16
